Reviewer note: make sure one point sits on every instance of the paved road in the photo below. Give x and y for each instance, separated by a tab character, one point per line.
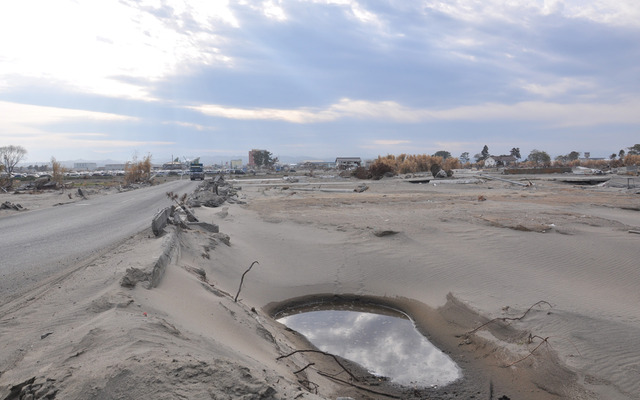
38	244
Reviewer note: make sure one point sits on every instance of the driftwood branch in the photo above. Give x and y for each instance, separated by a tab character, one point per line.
358	386
323	353
544	340
504	319
305	367
242	279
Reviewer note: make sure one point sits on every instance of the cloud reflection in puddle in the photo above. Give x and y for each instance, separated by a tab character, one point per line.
386	345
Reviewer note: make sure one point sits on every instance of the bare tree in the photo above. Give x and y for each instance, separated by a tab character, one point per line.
10	156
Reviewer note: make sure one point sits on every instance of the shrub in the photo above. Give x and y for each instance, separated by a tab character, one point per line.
632	159
137	171
362	173
58	171
380	167
451	163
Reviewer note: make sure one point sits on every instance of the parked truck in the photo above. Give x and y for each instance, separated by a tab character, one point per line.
196	171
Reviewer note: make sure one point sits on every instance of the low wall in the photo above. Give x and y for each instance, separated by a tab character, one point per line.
549	170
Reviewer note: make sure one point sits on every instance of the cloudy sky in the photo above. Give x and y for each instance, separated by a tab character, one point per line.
318	78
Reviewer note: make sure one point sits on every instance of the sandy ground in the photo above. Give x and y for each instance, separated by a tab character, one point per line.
455	257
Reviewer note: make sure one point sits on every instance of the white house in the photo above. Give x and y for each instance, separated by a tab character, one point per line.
499	161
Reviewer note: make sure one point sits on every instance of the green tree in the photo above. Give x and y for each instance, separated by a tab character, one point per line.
613	156
263	158
485	152
464	157
443	154
539	157
574	155
10	156
634	150
516	152
621	154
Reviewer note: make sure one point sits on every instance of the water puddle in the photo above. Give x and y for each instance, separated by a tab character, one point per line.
386	343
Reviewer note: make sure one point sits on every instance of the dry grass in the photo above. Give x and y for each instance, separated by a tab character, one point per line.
412	163
138	171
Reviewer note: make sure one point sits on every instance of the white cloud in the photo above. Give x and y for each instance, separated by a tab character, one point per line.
355	9
29	126
87	46
613	12
576	114
580	114
26	118
345	108
560	87
42	144
299	116
191	125
273	10
390	142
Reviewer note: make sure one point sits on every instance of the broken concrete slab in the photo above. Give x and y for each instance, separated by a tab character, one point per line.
159	221
151	274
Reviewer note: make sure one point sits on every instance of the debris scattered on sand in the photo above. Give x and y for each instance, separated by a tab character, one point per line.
7	205
528	184
34	388
213	193
381	233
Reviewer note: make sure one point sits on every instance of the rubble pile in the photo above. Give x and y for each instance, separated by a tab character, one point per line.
214	193
44	183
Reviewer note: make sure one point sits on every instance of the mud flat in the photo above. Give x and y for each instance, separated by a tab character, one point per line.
531	290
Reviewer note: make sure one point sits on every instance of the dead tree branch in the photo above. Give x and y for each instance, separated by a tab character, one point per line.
305	367
242	279
544	340
505	319
323	353
358	386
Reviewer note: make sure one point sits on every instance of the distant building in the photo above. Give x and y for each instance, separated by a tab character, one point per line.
236	164
114	167
172	165
348	162
252	162
85	166
499	161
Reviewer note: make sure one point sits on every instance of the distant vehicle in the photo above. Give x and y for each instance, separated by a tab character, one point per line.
239	172
196	171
